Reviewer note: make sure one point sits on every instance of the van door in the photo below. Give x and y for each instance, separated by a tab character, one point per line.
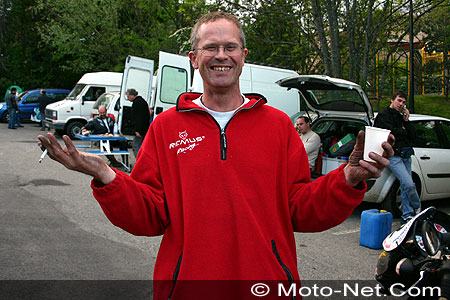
138	75
174	78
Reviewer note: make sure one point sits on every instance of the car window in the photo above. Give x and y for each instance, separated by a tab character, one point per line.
336	100
104	99
21	95
54	97
426	135
60	96
34	98
446	128
117	106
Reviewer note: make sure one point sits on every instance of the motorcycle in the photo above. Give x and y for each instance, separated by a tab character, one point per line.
416	258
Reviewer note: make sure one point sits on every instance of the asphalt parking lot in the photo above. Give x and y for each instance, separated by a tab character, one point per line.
53	229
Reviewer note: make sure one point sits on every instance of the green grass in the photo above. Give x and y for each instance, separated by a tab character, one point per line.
434	105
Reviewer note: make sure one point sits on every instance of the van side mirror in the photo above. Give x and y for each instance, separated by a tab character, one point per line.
83	99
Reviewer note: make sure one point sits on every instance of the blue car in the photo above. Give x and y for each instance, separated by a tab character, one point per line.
29	100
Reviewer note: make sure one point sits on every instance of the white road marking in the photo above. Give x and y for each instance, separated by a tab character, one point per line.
346	232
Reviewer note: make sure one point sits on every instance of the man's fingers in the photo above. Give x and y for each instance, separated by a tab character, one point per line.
69	144
391	139
360	141
387	146
381	161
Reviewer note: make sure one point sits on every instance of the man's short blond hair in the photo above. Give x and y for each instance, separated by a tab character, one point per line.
211	17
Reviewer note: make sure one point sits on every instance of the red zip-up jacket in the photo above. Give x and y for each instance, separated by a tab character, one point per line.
227	201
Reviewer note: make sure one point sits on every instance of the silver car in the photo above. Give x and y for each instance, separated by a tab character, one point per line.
340	108
430	166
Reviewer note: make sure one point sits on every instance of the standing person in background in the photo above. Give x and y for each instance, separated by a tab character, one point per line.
141	118
17	120
13	108
44	100
310	139
396	118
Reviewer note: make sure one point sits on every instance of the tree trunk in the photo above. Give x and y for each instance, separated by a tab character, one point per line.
367	44
318	24
383	78
331	8
350	17
446	73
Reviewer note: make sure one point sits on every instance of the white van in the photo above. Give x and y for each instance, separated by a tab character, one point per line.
262	80
69	115
176	76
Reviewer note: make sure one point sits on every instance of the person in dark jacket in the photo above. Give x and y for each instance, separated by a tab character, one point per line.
141	118
13	108
44	100
101	125
396	118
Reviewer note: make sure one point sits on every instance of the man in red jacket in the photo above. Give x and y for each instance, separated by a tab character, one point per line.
226	190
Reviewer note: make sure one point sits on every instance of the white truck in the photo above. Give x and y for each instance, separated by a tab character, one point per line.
175	76
69	115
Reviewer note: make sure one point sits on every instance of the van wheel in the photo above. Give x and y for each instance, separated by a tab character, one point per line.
393	201
73	129
5	117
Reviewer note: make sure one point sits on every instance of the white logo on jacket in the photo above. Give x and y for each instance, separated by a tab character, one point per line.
184	143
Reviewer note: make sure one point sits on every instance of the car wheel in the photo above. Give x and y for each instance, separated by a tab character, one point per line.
5	117
393	201
73	129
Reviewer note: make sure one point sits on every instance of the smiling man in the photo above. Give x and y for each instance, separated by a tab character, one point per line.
225	179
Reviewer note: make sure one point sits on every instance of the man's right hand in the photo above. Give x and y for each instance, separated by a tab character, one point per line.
72	159
406	114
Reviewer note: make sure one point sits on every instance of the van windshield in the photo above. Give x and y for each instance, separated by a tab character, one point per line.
76	91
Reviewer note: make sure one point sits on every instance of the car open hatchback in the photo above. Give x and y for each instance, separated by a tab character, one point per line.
340	109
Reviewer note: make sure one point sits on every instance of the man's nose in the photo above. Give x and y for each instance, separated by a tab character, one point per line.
221	53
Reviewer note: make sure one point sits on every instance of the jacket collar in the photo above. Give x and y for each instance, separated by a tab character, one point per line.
393	111
184	102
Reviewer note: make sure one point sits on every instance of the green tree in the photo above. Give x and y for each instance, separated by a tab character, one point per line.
24	60
437	28
81	33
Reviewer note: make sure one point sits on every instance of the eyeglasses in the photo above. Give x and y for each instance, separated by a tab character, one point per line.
230	50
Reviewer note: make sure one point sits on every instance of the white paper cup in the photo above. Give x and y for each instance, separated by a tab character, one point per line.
374	138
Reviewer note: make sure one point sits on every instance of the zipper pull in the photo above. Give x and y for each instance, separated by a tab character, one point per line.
223	145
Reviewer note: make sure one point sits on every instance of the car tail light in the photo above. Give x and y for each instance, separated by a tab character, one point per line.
112	116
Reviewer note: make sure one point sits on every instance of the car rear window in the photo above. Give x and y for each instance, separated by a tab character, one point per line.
336	100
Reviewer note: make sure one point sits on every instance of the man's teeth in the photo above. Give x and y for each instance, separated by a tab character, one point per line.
221	68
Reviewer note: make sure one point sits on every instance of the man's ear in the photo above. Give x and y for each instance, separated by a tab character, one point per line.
193	58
